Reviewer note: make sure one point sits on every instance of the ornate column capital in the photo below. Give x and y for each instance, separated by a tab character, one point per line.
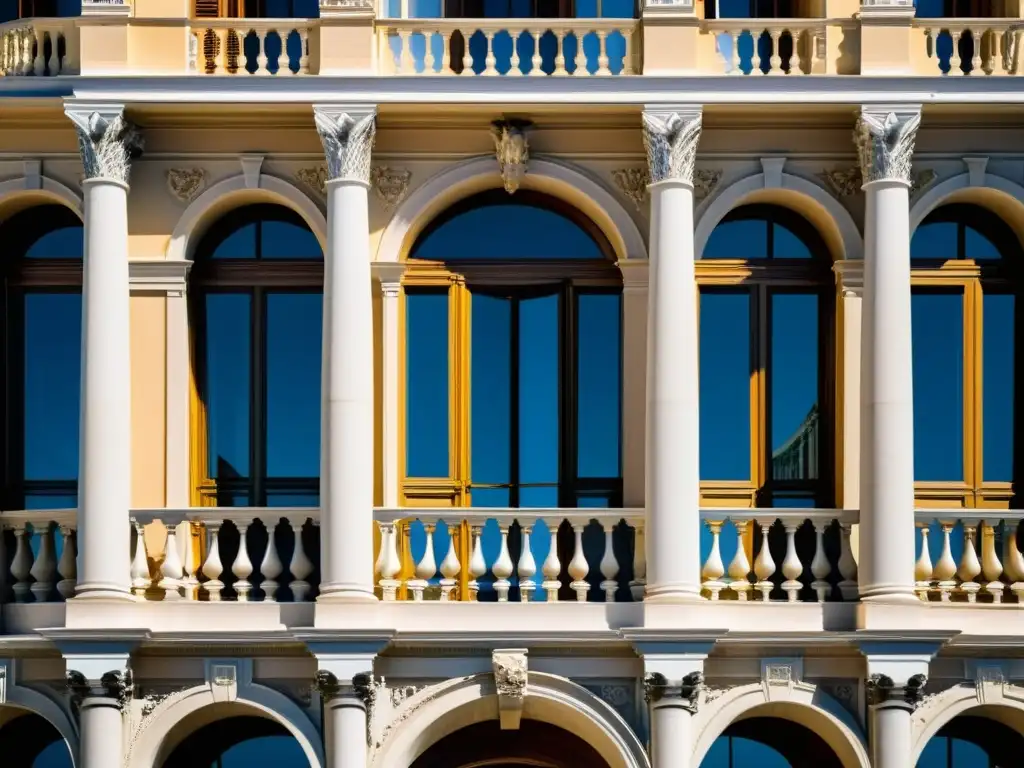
117	685
671	137
360	688
684	692
885	142
106	140
347	135
882	691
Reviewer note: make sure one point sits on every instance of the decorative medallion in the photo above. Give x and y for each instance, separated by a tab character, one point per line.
632	182
315	178
512	150
186	184
389	184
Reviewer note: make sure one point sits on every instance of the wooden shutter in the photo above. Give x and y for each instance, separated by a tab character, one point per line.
207	9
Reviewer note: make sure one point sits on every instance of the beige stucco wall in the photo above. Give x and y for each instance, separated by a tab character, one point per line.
149	356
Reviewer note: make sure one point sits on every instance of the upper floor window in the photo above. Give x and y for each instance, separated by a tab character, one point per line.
512	318
11	10
972	9
966	280
255	9
766	352
41	332
257	295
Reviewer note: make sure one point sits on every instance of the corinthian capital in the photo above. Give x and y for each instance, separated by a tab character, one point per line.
885	142
671	139
347	137
116	684
106	140
882	690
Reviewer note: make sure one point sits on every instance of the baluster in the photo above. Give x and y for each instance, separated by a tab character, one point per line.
991	568
450	567
303	51
945	568
764	565
969	565
171	569
627	55
578	567
191	581
791	565
140	563
757	60
736	69
775	60
847	564
300	566
739	568
490	61
213	567
580	68
67	567
537	61
242	567
21	565
513	62
714	569
477	564
220	56
262	62
406	62
954	57
271	567
639	582
976	58
502	568
552	568
429	60
923	567
1013	561
45	566
389	562
283	60
609	565
560	53
602	52
467	57
820	566
39	64
425	568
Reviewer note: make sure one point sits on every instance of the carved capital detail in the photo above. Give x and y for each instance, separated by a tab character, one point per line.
186	184
686	692
882	690
671	140
885	143
512	149
107	143
389	184
116	684
347	140
329	687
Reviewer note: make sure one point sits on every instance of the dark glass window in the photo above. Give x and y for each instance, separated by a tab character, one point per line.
243	741
257	313
769	742
972	742
30	741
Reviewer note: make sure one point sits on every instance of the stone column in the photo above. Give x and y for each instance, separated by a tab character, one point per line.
892	703
885	140
107	143
347	439
673	703
99	705
672	434
344	706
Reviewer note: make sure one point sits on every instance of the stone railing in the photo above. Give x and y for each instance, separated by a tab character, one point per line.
559	554
42	567
40	47
973	46
250	46
769	47
539	47
969	556
813	560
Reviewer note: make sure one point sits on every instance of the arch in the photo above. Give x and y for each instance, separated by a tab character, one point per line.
1002	703
166	726
1003	197
801	703
24	192
232	193
438	711
466	178
31	701
813	202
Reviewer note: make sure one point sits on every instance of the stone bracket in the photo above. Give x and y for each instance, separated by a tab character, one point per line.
510	675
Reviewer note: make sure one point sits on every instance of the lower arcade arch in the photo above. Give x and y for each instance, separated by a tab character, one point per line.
770	742
28	740
239	741
982	737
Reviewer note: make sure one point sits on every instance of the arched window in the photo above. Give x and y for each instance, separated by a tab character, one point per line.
41	311
766	373
966	274
257	296
769	742
513	358
243	741
972	742
28	740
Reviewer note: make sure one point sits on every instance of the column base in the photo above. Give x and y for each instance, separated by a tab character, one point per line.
888	593
346	593
672	593
103	591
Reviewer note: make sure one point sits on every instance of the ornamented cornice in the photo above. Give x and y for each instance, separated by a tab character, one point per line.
348	142
885	143
671	140
688	691
186	184
115	684
389	184
881	689
107	143
632	182
512	150
314	177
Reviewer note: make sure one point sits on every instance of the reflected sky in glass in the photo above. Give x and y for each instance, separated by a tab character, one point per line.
62	243
725	386
737	752
794	386
998	355
426	347
599	385
491	396
263	752
228	376
539	385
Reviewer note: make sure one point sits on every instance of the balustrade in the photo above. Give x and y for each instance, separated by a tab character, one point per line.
770	47
248	46
42	564
973	46
35	47
467	47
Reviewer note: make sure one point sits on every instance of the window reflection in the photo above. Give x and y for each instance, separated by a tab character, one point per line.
239	742
768	742
794	417
426	323
972	742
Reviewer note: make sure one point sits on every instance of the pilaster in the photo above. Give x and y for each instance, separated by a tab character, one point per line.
635	280
389	277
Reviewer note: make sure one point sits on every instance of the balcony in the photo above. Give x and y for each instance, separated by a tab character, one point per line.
39	47
975	47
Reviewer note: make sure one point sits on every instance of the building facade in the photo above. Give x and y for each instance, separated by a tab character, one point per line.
408	384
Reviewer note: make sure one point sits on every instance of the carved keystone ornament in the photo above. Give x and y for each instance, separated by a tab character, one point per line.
510	675
512	150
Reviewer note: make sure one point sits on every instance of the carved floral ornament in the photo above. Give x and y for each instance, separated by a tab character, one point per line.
186	184
846	182
389	185
671	140
512	150
107	142
348	142
633	183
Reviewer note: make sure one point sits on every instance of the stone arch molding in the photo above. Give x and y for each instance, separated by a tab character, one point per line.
821	208
33	185
405	722
227	682
12	694
975	178
556	178
801	702
250	186
999	699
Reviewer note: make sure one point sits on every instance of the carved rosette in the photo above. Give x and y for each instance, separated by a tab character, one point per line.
687	692
107	143
348	142
512	150
881	689
186	184
885	143
671	140
116	684
315	178
389	184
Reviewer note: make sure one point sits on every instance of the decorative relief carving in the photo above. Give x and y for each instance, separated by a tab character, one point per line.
843	182
115	684
512	149
689	690
704	182
186	184
881	689
510	673
139	716
922	179
633	182
393	706
886	144
671	140
389	184
107	143
616	695
348	142
315	177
